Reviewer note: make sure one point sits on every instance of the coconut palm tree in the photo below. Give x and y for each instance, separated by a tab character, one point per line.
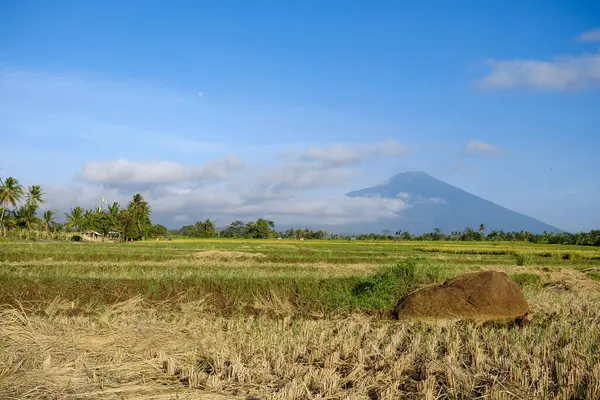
113	209
11	192
26	216
76	218
48	218
35	196
141	212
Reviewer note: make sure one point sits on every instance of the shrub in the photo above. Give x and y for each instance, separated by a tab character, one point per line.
76	238
521	259
526	279
393	282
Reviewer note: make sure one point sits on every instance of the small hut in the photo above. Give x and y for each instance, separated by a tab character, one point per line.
92	236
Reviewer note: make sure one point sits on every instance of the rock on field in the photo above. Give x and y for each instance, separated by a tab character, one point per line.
480	296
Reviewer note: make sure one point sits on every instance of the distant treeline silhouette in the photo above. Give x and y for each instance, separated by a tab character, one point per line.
264	229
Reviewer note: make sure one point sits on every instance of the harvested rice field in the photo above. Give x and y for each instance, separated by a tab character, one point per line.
260	319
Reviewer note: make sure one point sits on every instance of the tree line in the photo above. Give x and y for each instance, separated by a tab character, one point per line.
264	229
591	238
20	210
259	229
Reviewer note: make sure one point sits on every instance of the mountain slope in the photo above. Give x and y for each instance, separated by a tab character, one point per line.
436	204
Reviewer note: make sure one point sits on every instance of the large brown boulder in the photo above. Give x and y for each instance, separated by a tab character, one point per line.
480	296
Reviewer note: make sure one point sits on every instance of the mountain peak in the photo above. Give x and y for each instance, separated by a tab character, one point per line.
432	203
411	175
414	173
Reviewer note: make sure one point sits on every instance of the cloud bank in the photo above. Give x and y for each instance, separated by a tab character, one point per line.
561	74
564	73
590	36
226	189
351	155
126	172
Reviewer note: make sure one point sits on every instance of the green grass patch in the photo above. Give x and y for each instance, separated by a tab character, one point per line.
308	276
226	288
522	259
594	275
526	279
387	286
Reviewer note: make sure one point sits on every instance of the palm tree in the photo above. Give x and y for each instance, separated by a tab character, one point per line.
141	212
35	196
11	192
48	219
113	209
26	216
76	218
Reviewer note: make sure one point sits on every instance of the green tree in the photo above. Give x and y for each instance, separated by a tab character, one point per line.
100	221
209	228
237	229
76	218
436	234
201	229
470	235
126	224
406	235
11	192
113	209
26	216
157	231
261	229
35	196
140	211
48	219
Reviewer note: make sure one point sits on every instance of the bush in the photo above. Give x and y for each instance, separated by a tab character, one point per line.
391	283
76	238
526	279
522	259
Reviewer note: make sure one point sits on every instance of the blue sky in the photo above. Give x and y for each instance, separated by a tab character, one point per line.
229	109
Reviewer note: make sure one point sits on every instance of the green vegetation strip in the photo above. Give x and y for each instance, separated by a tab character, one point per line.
228	289
233	275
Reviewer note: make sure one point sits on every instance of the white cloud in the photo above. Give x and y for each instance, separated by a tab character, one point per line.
350	155
590	36
561	74
386	148
284	193
334	210
475	147
302	176
64	198
314	168
435	200
336	156
125	172
411	200
224	206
